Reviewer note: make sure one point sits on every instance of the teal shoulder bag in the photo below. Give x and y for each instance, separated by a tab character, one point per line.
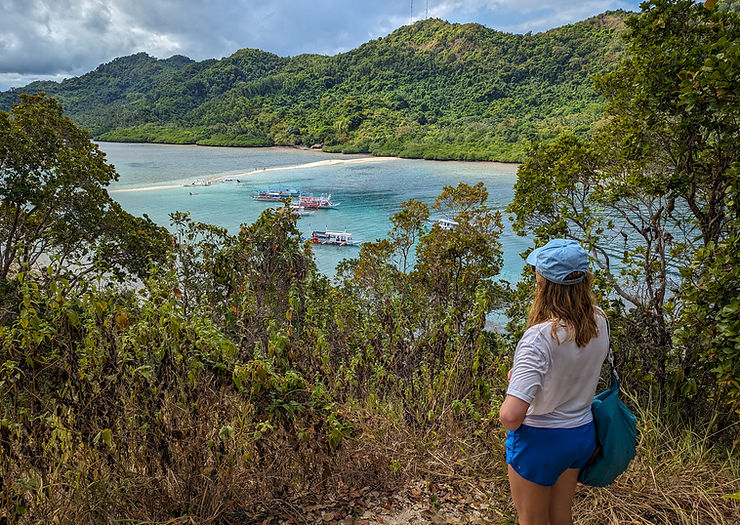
616	435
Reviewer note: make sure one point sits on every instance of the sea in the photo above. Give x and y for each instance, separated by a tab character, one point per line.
156	180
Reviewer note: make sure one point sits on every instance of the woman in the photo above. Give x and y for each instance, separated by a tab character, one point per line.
557	364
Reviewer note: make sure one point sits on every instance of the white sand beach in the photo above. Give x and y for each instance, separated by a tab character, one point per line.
147	188
308	165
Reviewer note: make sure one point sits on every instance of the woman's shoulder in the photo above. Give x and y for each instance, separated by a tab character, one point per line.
536	341
537	332
600	317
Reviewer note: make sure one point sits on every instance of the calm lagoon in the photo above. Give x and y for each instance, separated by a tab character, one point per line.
369	189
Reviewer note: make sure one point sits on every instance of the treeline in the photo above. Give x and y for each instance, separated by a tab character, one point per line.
430	90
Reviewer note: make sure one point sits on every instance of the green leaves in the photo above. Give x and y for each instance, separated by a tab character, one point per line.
53	199
650	193
409	225
106	436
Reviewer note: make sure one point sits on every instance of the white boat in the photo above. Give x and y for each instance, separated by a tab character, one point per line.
276	193
342	238
446	224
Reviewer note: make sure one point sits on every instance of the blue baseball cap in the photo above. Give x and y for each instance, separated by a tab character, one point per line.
559	258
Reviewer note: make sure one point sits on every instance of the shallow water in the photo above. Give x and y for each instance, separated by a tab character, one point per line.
152	179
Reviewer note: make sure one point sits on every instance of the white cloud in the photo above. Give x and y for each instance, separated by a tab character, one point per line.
521	16
571	12
8	80
518	6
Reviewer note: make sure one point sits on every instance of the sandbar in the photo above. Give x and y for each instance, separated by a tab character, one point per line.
308	165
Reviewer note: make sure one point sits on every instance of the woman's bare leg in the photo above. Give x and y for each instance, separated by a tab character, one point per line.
561	498
532	501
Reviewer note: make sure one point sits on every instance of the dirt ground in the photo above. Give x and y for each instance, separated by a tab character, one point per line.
416	504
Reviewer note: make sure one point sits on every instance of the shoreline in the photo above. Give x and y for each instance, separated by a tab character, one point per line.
338	161
308	150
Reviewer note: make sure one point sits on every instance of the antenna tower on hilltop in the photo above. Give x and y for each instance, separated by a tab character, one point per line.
411	16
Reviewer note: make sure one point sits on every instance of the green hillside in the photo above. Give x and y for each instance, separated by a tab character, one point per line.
99	96
429	90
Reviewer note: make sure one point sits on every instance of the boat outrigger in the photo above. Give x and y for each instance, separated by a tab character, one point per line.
342	238
276	193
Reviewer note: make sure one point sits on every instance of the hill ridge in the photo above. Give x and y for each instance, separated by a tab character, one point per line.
433	89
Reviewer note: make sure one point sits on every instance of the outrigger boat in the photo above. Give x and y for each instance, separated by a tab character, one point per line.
296	207
343	238
276	193
446	224
315	203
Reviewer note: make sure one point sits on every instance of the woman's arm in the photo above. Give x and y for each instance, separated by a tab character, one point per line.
531	363
512	412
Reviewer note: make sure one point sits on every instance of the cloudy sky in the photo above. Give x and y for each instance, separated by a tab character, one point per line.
57	39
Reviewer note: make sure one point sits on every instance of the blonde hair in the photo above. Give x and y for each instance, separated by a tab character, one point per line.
568	305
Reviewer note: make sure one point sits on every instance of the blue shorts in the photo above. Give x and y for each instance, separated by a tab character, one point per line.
541	455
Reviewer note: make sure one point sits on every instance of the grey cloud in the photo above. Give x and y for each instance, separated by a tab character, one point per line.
98	20
46	37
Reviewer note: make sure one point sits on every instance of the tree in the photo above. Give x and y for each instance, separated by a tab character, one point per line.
651	193
408	225
453	264
684	58
54	202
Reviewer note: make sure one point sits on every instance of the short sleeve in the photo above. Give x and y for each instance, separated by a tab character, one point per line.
531	363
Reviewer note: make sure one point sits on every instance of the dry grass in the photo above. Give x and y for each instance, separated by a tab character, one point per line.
679	477
184	466
453	470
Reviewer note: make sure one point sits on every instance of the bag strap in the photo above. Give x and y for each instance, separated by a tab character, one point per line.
614	375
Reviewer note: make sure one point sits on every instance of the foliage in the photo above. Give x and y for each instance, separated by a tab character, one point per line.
105	95
651	193
239	376
710	321
457	265
240	352
431	90
53	200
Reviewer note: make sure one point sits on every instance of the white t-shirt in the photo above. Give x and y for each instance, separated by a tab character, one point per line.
558	380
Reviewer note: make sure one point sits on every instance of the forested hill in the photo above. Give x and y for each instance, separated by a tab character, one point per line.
429	90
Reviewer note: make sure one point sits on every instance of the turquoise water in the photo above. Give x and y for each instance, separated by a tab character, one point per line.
369	191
